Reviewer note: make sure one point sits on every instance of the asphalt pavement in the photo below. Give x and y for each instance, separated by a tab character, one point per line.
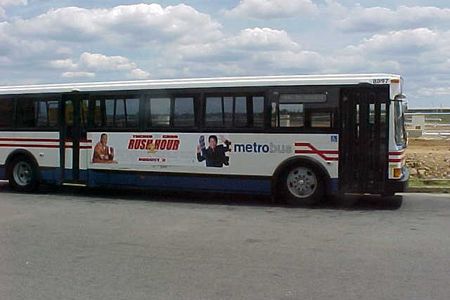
90	244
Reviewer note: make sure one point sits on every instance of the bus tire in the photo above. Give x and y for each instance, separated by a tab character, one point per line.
23	174
301	185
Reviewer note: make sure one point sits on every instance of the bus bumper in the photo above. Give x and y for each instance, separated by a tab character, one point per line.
398	185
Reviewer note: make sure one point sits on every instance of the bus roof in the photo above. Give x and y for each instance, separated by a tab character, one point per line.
250	81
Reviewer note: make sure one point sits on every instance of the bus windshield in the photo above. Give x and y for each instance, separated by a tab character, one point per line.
399	124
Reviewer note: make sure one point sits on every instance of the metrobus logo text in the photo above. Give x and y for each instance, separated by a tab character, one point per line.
262	148
166	142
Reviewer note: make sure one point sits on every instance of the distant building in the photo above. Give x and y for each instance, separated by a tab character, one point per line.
427	121
428	110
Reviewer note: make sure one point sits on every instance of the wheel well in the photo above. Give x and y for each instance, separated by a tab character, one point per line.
20	153
284	166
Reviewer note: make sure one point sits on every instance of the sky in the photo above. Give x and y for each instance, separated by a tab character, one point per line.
56	41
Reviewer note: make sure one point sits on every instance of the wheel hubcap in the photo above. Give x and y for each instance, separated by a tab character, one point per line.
22	173
302	182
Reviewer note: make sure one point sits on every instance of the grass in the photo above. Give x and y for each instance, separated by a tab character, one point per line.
438	183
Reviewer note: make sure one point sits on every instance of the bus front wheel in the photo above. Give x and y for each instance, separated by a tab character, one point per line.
23	175
301	185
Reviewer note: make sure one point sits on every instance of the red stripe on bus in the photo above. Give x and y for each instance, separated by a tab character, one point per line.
39	146
28	146
81	141
28	140
39	140
318	153
396	152
315	149
396	160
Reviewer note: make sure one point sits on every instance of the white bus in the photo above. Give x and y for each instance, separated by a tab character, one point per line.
294	137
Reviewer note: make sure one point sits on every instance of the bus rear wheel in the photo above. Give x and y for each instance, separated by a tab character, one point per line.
23	175
301	185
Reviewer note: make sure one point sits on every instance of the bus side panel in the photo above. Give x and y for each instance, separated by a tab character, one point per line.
43	146
236	157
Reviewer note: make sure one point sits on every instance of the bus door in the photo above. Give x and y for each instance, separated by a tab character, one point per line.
73	132
364	139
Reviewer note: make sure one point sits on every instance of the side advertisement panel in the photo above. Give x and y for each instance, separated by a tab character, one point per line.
211	153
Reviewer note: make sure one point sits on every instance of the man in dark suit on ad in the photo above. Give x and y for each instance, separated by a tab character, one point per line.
214	154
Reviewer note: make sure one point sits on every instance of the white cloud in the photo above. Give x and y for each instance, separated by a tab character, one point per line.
78	75
179	41
420	55
403	42
67	64
335	9
262	9
7	3
436	91
372	19
262	38
252	51
138	74
89	64
134	24
249	40
100	62
302	61
23	49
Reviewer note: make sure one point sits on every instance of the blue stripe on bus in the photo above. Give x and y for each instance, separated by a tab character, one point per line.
181	182
83	175
333	185
49	175
2	172
52	175
169	182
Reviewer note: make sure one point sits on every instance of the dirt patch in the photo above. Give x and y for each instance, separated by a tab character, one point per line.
428	158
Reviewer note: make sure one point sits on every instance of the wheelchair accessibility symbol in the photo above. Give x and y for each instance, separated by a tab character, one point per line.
334	138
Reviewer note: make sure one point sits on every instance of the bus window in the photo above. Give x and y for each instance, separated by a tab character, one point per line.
227	111
184	112
25	113
258	111
41	114
214	116
160	112
53	109
120	120
110	108
291	115
321	119
132	112
46	113
98	116
7	113
301	111
240	112
37	113
116	113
